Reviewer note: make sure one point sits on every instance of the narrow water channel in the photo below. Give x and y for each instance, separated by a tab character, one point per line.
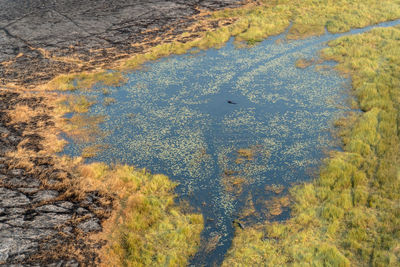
236	127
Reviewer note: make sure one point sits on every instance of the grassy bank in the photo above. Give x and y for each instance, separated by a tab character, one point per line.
350	215
148	229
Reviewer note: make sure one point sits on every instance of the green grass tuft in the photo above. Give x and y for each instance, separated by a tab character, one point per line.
149	229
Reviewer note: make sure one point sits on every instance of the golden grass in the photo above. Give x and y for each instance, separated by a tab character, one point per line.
248	208
22	113
85	80
254	22
233	184
72	103
274	206
277	189
83	128
92	151
303	63
148	228
350	215
245	154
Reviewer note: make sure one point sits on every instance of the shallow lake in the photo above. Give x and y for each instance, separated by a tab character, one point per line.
236	127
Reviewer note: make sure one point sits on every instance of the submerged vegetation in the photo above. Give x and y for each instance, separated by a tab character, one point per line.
148	228
350	215
85	80
304	63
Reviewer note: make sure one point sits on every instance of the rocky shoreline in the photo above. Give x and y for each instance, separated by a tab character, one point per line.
44	218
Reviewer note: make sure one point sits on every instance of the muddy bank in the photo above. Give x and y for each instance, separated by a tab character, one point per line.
44	218
40	39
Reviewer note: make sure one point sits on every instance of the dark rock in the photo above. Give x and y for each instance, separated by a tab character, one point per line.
45	195
81	211
10	198
90	225
4	131
10	247
28	190
71	263
65	204
52	208
49	220
17	172
23	182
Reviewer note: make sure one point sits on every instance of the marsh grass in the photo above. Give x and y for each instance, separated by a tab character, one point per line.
248	209
92	151
274	206
74	103
148	228
245	154
83	128
303	63
233	184
277	189
348	216
85	80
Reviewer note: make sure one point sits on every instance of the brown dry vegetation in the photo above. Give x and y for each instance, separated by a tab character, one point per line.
303	63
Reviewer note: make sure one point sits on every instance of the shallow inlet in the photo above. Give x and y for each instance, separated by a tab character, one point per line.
173	117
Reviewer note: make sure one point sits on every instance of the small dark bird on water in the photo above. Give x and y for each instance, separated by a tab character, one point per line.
231	102
238	223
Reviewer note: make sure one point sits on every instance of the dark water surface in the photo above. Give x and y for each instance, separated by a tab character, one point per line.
173	117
